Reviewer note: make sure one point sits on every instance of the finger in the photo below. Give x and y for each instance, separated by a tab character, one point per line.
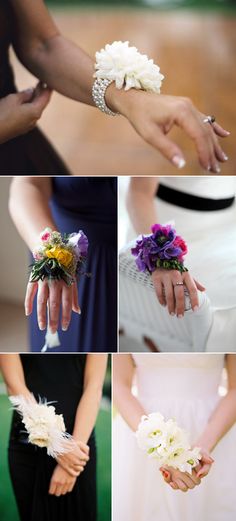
166	476
75	299
25	96
169	295
66	301
41	98
58	491
174	485
200	287
84	447
166	146
52	487
194	477
179	294
220	131
181	485
54	305
204	470
159	291
192	291
31	291
42	299
219	153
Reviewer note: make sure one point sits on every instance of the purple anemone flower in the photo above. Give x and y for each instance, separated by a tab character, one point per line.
80	243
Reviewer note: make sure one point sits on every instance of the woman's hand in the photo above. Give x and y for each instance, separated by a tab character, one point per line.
183	480
154	115
74	462
180	480
20	112
52	295
170	291
61	482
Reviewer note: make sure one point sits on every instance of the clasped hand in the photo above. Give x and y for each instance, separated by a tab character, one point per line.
69	467
183	480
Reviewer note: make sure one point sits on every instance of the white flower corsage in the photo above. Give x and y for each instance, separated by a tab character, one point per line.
128	68
45	428
167	443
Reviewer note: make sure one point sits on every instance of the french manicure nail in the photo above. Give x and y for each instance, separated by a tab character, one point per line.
64	328
27	313
41	326
225	157
179	161
172	314
196	308
217	169
227	132
180	316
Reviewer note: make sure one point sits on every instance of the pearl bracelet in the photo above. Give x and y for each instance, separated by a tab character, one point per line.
128	68
98	93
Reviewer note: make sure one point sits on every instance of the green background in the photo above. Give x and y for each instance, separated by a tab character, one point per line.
8	510
168	4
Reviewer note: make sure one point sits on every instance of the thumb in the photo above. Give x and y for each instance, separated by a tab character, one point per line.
200	287
25	96
167	147
42	97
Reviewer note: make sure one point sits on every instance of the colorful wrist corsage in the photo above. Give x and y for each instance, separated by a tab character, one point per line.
59	256
166	442
44	427
162	249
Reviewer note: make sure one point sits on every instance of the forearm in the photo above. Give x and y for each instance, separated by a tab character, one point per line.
128	405
87	412
63	66
219	423
29	207
140	202
142	212
12	372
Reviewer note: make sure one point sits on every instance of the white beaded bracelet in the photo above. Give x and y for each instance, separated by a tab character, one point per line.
128	68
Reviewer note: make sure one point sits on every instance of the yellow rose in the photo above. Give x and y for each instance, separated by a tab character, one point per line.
63	256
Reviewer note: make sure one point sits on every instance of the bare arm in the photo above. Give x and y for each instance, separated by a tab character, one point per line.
224	416
29	207
88	407
127	404
141	203
12	371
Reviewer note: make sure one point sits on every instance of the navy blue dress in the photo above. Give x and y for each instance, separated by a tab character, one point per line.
89	204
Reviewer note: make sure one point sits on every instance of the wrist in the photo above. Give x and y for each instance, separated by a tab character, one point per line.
119	100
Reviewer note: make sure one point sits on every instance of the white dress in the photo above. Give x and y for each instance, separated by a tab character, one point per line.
184	387
211	258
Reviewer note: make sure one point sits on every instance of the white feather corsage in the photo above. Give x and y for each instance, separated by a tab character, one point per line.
167	443
44	427
128	68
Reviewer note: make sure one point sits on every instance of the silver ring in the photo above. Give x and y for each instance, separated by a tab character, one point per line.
179	284
209	119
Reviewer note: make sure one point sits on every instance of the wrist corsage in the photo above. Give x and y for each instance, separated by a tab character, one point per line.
166	442
59	256
45	428
129	69
161	249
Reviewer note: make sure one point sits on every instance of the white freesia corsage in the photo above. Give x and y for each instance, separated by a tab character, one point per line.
167	443
45	428
128	68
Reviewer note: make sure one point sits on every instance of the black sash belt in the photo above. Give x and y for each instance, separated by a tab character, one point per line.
192	202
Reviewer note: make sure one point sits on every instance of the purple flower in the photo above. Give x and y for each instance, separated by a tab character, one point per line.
79	241
160	245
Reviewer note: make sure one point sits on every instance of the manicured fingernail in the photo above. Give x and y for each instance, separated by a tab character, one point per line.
30	90
165	474
225	157
217	169
172	314
227	132
41	326
209	168
65	327
27	313
180	316
196	308
178	161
